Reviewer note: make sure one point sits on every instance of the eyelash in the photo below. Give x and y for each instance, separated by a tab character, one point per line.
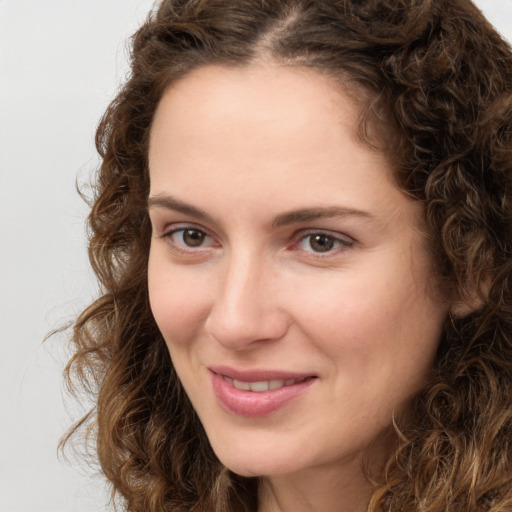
337	242
181	246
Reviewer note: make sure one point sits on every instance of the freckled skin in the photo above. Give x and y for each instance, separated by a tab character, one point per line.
245	146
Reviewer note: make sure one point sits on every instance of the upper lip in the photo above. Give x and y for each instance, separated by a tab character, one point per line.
257	375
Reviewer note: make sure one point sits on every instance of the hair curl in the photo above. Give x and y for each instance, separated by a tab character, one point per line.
438	74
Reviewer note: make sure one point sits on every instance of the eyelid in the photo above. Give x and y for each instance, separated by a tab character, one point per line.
171	229
177	226
344	240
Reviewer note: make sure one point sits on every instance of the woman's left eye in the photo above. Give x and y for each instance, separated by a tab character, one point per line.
322	243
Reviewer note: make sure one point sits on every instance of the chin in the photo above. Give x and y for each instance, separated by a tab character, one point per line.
255	462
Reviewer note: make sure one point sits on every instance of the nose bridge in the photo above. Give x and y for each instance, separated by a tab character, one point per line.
245	308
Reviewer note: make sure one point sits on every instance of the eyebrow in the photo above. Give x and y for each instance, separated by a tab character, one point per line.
309	214
284	219
171	203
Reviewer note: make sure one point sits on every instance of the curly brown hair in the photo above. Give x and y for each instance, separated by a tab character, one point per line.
440	78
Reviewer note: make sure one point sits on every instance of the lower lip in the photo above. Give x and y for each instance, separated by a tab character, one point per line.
253	404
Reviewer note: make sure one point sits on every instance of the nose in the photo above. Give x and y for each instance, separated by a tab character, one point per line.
247	308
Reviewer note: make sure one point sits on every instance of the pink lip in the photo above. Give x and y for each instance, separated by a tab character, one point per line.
252	404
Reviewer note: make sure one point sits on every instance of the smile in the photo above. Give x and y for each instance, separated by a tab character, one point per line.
262	385
256	394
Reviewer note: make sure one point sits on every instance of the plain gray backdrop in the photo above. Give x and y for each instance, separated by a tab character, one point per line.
61	62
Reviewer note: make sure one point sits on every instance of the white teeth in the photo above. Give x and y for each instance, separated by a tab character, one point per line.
276	384
259	386
245	386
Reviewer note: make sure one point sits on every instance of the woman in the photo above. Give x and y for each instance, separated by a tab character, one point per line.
303	234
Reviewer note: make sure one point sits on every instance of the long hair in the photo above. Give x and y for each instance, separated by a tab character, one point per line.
437	77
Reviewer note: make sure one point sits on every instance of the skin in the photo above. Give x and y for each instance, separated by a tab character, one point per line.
248	287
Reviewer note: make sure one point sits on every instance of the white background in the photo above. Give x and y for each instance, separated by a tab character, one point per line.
61	62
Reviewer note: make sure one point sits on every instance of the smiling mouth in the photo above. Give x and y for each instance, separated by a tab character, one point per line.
263	385
257	393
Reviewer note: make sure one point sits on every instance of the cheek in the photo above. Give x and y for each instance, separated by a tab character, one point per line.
341	312
179	301
377	323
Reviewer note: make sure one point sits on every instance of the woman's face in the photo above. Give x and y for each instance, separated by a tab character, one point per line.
287	272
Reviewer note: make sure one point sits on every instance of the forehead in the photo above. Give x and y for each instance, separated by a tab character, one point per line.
270	93
258	112
242	128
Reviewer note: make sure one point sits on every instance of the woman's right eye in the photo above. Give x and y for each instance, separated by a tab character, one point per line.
189	238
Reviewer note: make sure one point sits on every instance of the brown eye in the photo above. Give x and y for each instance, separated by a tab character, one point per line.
192	237
189	238
321	242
